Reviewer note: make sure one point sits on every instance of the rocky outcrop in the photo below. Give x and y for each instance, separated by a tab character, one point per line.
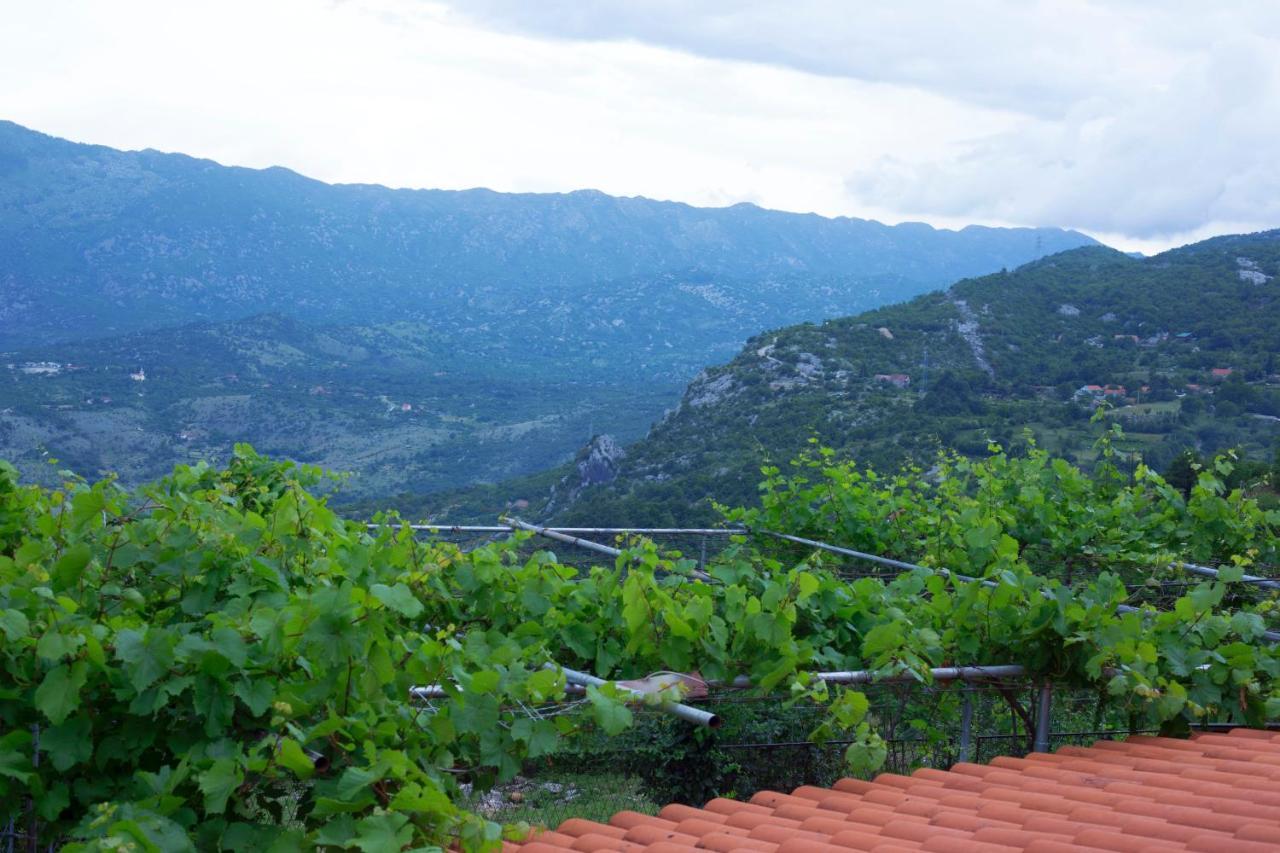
598	462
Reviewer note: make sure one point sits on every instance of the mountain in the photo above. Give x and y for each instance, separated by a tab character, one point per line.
554	315
1181	349
95	242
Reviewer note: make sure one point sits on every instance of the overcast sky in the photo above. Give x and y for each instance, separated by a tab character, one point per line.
1146	124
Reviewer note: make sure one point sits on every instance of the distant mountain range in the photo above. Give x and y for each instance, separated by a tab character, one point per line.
627	296
1183	349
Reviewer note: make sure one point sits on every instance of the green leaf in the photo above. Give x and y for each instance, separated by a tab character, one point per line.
228	643
612	715
55	646
14	624
148	655
54	801
67	570
59	693
866	756
383	833
68	744
292	757
399	598
256	695
1230	574
218	783
808	585
15	756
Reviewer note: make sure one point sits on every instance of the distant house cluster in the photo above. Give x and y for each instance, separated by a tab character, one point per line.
1095	394
38	368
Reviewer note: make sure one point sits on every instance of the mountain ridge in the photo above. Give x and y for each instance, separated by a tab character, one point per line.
611	303
1183	348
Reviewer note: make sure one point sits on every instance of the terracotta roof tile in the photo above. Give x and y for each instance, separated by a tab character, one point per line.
1213	792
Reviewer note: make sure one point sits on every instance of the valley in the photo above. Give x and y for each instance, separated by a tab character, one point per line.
1180	350
304	317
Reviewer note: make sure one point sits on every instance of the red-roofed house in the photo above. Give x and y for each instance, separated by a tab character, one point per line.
1222	372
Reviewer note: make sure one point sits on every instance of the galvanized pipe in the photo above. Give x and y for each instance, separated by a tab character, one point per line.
1273	636
857	676
1208	572
943	673
873	558
1044	709
562	537
645	531
688	713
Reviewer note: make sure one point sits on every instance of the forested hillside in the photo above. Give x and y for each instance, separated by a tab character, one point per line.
513	324
98	241
1180	349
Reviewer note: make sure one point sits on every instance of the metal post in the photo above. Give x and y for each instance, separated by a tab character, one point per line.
1044	708
966	726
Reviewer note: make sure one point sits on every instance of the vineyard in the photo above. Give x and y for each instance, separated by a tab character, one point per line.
219	661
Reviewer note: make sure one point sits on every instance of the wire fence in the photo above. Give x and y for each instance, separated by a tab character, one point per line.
764	742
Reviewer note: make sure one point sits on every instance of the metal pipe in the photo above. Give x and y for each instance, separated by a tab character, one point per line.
857	676
562	537
874	558
1208	572
552	533
688	713
667	531
437	691
448	528
966	727
1044	708
1273	636
943	673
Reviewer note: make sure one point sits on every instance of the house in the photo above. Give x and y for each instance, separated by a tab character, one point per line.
140	376
898	380
1133	338
1220	373
1091	391
406	407
1114	391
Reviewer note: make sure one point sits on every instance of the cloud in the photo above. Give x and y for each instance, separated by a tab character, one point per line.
1129	119
1140	119
1034	56
1205	149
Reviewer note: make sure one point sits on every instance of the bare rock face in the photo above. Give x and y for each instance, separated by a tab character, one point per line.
598	461
704	391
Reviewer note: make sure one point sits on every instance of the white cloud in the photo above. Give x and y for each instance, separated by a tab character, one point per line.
1203	150
1140	121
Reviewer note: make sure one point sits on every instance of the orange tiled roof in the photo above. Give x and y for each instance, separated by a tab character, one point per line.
1214	792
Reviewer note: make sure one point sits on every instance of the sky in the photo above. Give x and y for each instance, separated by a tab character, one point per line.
1144	124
